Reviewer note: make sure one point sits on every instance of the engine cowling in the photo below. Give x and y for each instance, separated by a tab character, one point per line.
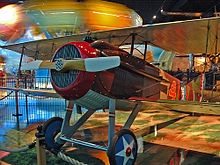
73	84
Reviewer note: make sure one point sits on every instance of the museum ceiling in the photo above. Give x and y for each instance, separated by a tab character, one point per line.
147	9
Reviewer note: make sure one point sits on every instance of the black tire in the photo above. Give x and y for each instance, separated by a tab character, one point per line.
119	153
51	128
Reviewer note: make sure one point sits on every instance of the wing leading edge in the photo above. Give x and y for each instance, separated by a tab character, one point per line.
34	92
181	106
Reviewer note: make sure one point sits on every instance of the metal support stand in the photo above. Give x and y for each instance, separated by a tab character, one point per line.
17	111
41	153
26	100
111	125
16	93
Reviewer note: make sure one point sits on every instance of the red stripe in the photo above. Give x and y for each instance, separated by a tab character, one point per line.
172	161
177	162
185	152
187	96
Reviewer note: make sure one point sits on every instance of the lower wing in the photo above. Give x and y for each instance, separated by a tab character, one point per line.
182	106
34	92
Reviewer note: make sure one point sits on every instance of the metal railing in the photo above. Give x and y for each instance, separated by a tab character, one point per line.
29	109
27	82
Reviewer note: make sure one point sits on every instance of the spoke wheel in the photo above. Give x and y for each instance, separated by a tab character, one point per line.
123	148
52	128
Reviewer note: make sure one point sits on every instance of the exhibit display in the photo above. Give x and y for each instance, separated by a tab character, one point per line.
120	97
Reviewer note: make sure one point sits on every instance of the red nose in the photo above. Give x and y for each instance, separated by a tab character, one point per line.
73	84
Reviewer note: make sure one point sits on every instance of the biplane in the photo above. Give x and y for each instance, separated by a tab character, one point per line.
91	71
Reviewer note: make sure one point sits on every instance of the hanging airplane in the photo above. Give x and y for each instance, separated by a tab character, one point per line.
97	74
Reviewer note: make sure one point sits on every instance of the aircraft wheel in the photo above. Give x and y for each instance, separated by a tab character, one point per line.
123	148
51	128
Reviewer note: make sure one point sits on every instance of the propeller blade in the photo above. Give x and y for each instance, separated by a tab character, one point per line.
101	63
89	64
39	64
93	64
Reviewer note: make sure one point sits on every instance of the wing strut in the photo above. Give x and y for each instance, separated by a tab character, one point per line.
145	49
132	42
19	68
16	93
203	77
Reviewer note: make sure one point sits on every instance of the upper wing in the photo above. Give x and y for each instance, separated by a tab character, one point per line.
189	36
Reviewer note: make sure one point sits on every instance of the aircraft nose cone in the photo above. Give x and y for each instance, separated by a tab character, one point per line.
59	64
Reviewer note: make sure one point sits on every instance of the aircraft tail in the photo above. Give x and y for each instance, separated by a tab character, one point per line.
197	85
192	91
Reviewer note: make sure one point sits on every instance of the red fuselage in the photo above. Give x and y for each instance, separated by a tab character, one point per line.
133	78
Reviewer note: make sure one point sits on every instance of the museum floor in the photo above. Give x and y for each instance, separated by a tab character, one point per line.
95	130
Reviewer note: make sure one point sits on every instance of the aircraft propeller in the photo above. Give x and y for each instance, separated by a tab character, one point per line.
89	64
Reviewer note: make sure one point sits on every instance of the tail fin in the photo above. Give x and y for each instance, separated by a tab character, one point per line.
192	91
198	86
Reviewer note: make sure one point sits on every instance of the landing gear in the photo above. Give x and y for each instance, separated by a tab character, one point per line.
123	148
51	129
